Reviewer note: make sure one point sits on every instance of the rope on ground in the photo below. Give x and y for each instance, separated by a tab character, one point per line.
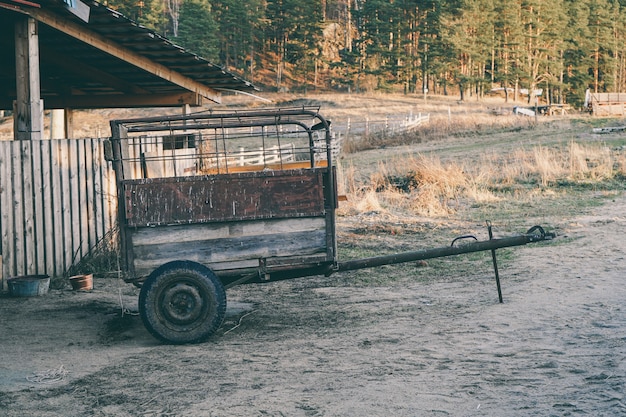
238	323
49	376
125	311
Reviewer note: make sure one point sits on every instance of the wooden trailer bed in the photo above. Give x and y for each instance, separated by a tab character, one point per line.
245	194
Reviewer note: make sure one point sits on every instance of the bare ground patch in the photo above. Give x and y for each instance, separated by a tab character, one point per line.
438	345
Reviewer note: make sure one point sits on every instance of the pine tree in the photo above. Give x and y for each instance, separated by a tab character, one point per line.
470	33
294	34
131	9
508	38
577	58
542	21
560	46
619	46
197	30
240	24
431	51
600	24
153	16
380	24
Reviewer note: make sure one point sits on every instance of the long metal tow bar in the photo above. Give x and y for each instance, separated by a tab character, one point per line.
534	234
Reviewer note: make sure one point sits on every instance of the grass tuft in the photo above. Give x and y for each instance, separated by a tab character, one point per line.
424	185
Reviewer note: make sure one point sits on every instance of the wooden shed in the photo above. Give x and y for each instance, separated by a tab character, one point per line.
606	104
55	195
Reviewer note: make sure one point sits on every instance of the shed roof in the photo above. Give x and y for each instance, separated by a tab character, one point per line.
106	60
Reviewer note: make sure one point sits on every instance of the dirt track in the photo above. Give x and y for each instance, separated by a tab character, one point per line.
307	347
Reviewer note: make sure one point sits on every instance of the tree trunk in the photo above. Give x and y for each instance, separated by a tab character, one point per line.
173	9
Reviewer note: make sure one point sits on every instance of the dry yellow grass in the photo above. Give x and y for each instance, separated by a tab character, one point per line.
433	188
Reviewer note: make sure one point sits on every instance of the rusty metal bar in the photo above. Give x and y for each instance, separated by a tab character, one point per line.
419	255
495	263
535	234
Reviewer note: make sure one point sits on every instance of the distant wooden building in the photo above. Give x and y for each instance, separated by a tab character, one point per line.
606	104
57	197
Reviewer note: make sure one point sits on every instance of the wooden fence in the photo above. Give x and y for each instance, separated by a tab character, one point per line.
57	201
391	125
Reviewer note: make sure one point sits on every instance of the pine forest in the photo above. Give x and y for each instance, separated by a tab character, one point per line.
561	48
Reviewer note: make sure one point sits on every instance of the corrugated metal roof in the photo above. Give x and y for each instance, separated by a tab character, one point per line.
79	75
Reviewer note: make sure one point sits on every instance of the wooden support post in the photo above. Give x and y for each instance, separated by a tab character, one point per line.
28	118
57	124
62	124
69	123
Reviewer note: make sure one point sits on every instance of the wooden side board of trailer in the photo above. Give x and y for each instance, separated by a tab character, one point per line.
227	247
214	198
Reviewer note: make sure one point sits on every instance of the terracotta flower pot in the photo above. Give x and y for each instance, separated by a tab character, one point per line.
82	282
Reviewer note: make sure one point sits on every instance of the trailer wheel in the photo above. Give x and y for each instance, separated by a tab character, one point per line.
182	302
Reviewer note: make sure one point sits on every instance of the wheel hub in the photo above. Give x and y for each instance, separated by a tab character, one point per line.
182	304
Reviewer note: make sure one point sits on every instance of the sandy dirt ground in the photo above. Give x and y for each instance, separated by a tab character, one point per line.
310	347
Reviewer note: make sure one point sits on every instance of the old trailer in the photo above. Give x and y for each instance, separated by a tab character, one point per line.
212	200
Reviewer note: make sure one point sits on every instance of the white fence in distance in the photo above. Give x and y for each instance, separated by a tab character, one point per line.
390	125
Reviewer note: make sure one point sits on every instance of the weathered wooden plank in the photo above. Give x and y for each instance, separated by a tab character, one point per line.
16	227
38	217
89	234
110	192
97	202
144	267
70	203
47	228
257	195
236	248
134	156
157	164
125	148
106	192
27	213
59	152
295	261
207	231
72	209
232	254
28	105
82	207
6	214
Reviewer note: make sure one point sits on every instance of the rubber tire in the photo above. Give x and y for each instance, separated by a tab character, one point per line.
182	302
